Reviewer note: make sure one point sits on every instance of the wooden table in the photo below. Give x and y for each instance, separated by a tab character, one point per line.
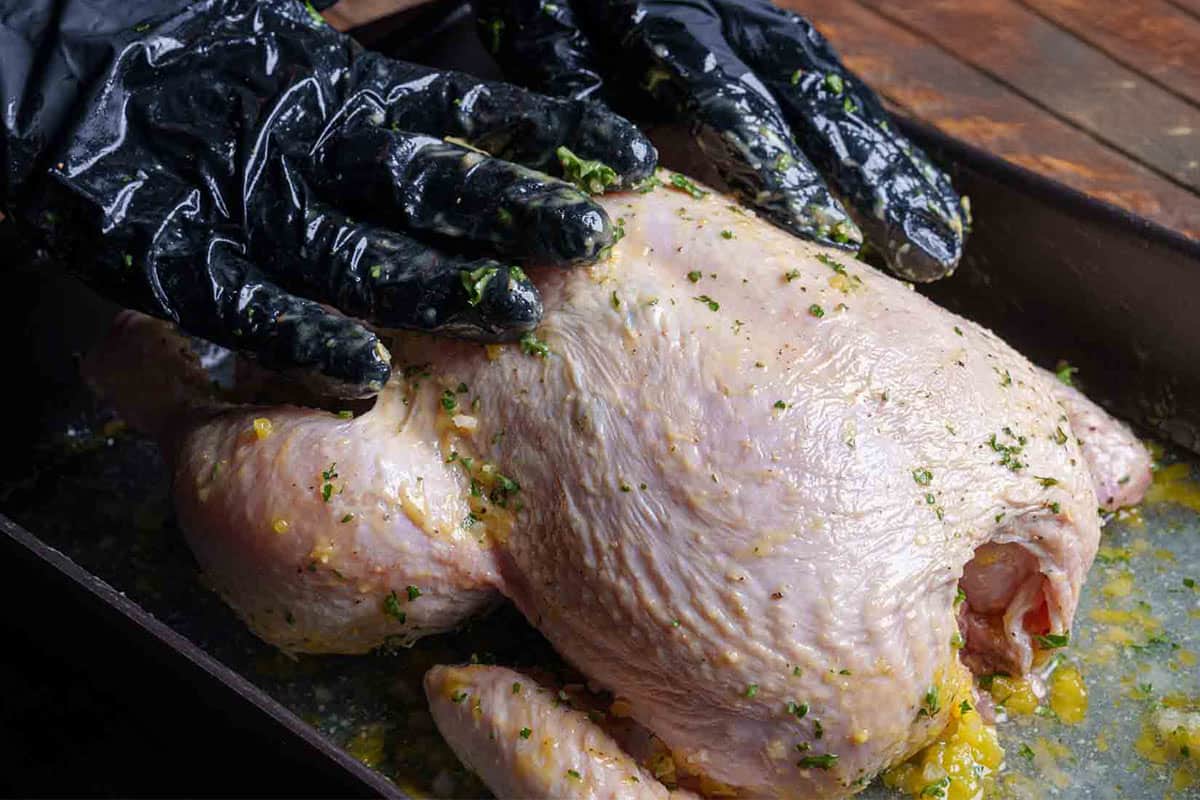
1102	95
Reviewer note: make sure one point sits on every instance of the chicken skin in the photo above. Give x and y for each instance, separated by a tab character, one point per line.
736	479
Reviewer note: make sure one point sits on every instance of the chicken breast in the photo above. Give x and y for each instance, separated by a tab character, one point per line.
736	478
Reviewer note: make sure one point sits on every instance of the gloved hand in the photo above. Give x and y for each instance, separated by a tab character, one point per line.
226	163
768	102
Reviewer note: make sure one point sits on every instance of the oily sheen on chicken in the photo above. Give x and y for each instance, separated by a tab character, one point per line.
737	479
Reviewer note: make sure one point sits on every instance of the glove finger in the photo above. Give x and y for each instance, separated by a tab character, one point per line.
906	205
415	182
231	302
504	120
539	44
740	127
396	281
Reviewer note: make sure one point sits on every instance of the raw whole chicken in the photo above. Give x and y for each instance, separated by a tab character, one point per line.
736	479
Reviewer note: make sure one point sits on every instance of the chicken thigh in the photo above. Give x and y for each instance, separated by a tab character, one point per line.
736	479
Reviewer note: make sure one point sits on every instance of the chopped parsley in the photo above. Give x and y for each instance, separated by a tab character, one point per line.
648	185
345	414
391	607
781	405
797	710
726	234
695	275
615	301
476	282
525	733
1008	452
574	774
826	761
413	592
833	264
684	185
922	476
834	83
1046	481
1025	751
1052	641
796	76
713	305
327	477
937	788
347	517
816	311
751	690
459	696
1065	372
449	401
531	345
931	704
791	275
591	176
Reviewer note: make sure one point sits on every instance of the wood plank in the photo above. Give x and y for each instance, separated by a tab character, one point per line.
927	83
1151	37
1064	75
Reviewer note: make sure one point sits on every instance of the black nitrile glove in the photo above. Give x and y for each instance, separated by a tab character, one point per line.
217	162
768	102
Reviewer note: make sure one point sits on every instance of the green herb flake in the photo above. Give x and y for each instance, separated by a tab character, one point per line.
922	476
648	185
591	176
751	690
726	234
574	774
391	607
525	733
615	301
449	401
826	761
1025	751
1046	481
791	275
459	696
516	688
713	305
816	311
936	789
347	518
1053	641
796	76
695	275
834	83
684	185
345	414
476	282
833	264
931	703
1065	373
533	346
781	405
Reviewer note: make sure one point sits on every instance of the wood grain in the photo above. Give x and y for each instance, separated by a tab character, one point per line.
1151	37
928	83
1065	76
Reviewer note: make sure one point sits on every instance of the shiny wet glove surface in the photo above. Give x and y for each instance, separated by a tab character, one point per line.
239	167
767	100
